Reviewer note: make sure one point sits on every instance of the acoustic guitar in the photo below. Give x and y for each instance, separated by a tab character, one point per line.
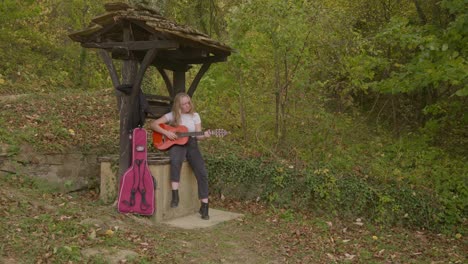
162	143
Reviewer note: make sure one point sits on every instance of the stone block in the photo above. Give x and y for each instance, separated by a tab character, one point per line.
108	185
160	169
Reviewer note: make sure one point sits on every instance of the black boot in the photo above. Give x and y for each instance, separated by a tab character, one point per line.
175	198
204	211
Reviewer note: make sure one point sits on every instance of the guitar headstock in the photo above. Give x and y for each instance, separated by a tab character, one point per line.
218	132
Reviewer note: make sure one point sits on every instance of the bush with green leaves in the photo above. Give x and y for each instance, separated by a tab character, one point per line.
345	194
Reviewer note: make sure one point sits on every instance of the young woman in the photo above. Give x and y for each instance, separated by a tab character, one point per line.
183	113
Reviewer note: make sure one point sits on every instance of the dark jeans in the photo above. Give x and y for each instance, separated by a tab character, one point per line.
190	152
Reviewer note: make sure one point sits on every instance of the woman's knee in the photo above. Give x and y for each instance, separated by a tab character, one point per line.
176	162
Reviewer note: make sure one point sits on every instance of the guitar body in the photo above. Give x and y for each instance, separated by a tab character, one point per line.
160	142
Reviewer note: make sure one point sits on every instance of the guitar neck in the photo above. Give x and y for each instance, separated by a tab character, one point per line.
190	134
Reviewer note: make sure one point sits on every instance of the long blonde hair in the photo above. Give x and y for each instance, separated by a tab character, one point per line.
176	107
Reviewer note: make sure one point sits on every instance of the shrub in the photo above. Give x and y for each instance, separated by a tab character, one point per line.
386	202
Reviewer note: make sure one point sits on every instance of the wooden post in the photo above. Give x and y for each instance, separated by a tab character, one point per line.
129	70
179	82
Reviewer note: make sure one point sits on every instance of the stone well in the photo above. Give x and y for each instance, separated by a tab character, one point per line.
159	167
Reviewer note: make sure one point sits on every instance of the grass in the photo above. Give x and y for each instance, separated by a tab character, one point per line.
40	226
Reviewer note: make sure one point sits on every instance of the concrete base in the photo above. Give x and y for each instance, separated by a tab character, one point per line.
159	167
194	221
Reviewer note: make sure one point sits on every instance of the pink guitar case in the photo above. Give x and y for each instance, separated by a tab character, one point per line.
137	185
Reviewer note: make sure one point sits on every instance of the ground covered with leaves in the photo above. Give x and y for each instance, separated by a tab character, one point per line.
61	121
43	226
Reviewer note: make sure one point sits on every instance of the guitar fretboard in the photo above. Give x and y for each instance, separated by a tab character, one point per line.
190	134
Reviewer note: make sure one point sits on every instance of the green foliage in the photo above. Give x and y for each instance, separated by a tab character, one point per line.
34	34
386	202
263	31
437	59
411	71
351	173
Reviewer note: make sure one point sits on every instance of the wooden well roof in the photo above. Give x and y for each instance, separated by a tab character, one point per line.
178	45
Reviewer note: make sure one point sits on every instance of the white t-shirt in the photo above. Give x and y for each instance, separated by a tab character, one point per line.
188	120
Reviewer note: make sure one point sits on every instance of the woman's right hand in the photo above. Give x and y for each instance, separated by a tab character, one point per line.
170	135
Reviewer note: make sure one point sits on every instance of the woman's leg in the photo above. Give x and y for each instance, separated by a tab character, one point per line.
177	156
197	163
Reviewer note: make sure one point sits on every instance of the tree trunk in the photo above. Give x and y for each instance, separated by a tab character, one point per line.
277	99
242	106
420	11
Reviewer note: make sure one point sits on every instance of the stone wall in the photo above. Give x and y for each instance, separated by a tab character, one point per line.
66	171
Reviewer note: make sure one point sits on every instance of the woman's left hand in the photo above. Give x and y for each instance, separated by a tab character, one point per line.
207	134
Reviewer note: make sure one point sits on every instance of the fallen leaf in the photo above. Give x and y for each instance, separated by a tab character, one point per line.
109	232
359	222
349	256
92	235
330	256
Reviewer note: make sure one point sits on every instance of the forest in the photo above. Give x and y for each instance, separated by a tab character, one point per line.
337	108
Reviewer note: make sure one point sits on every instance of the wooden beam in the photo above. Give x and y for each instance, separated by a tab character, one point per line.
92	33
192	56
81	36
110	66
136	90
134	45
98	34
156	97
112	72
171	65
149	57
122	53
204	68
183	53
143	25
205	60
105	18
167	81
